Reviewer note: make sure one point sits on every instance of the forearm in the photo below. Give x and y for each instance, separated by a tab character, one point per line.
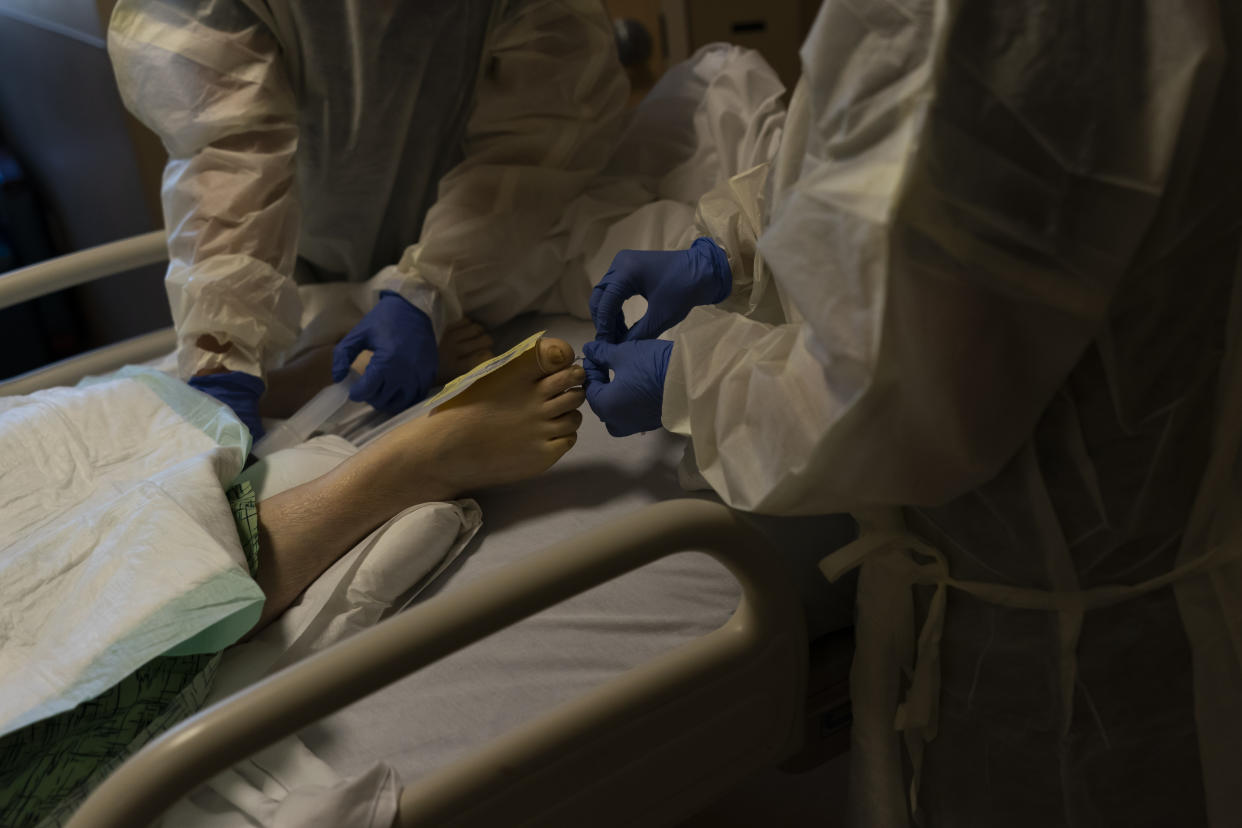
232	220
218	96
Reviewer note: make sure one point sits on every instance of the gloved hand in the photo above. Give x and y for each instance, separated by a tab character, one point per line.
404	363
240	392
632	400
672	281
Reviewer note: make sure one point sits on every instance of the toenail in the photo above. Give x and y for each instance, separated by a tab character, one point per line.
558	354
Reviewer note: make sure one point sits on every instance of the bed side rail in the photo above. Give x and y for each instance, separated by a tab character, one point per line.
131	351
73	269
648	748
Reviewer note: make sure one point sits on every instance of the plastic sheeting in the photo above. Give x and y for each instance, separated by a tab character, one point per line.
692	161
299	149
1003	242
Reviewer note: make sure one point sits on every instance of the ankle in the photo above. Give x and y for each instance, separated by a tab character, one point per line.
403	473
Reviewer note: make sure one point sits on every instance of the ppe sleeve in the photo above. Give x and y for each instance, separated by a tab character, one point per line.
731	215
741	119
548	107
700	148
959	225
208	79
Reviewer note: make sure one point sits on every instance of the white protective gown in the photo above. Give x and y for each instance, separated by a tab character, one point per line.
1003	243
428	147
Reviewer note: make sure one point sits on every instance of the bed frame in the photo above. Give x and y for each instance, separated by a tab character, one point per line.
650	747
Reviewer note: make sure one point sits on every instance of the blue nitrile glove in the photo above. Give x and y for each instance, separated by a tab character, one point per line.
672	282
240	392
403	366
631	401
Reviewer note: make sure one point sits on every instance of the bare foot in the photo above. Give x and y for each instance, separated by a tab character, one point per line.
510	425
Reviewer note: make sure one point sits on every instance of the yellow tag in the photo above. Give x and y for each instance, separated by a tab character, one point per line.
458	384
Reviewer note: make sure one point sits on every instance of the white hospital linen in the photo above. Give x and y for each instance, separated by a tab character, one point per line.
462	702
119	544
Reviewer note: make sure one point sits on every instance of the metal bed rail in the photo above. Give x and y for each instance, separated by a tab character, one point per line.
648	748
74	269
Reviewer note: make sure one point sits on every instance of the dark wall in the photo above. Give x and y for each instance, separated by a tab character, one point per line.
62	119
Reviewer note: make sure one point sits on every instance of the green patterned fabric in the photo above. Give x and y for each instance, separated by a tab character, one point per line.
246	516
48	769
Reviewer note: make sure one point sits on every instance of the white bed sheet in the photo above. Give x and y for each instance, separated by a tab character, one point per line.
425	721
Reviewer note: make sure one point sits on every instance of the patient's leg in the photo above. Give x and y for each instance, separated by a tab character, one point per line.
510	425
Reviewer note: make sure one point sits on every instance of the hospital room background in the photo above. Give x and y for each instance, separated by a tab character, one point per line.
78	171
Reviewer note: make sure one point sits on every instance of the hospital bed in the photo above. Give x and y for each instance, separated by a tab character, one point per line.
491	697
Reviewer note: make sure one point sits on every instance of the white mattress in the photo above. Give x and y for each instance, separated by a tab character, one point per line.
425	721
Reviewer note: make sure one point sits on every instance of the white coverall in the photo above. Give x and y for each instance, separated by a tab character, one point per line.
322	140
992	278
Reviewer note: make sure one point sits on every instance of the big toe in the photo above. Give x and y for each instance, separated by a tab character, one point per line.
552	354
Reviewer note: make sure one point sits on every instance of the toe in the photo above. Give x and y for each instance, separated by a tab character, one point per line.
565	424
361	362
553	354
557	446
567	401
554	385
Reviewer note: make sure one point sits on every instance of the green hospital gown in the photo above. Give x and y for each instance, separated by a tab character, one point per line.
47	769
